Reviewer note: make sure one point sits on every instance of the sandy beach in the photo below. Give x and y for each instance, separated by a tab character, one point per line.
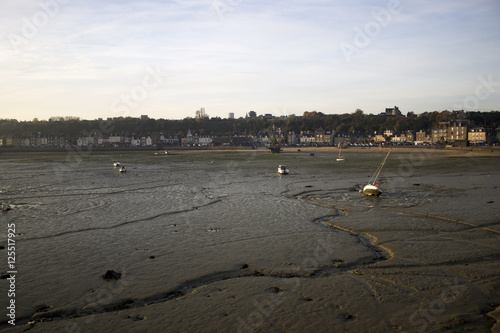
217	241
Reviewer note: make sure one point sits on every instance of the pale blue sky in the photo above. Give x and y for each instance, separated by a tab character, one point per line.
167	59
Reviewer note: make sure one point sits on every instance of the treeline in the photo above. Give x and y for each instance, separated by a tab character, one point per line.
356	122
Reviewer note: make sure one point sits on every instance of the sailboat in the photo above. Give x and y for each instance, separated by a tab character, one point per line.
340	158
275	145
372	188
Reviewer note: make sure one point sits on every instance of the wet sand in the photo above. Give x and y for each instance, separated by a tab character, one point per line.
217	241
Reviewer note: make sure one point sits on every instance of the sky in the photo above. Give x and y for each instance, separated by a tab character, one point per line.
167	59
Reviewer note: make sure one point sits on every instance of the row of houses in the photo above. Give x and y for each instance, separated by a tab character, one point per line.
34	141
458	133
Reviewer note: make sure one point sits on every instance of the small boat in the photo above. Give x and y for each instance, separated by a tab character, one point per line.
340	158
283	170
5	207
372	188
122	169
117	164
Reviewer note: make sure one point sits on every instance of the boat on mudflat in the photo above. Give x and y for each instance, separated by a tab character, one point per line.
283	170
340	158
372	188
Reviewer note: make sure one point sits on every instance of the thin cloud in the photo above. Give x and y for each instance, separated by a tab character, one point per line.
248	55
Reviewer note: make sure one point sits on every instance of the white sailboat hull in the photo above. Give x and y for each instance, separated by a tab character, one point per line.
372	190
282	170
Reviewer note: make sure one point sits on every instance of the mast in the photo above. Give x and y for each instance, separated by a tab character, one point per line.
379	169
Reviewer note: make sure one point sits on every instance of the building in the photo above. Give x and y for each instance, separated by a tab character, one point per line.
292	139
157	138
205	140
87	141
146	141
323	137
135	142
457	131
230	115
454	132
410	137
306	138
342	140
103	142
117	139
172	140
422	137
400	138
477	136
200	114
393	111
439	135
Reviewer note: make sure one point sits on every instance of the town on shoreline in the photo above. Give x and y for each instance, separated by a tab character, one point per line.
313	129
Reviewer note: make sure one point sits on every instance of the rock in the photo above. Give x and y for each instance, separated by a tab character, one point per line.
43	308
275	290
112	275
152	257
245	266
137	317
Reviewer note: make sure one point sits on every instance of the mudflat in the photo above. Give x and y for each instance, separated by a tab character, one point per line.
218	241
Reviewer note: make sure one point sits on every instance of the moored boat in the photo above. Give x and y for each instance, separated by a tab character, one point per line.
372	188
340	158
283	170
